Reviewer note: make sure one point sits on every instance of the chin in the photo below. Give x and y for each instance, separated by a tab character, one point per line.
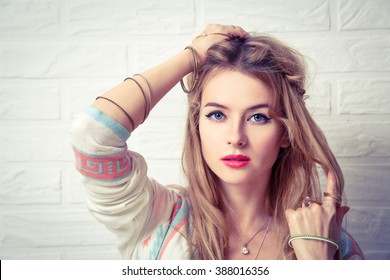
235	180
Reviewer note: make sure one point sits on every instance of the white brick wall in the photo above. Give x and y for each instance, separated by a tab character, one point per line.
57	56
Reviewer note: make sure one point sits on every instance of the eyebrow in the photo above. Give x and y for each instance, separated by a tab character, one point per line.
258	106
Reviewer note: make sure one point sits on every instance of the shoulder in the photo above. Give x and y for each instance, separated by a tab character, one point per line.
349	248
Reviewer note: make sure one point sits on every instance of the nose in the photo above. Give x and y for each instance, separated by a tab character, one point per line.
237	136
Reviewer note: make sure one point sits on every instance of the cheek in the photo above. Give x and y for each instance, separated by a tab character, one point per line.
206	137
267	143
210	139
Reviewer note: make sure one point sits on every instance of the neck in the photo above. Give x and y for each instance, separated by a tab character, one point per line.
247	205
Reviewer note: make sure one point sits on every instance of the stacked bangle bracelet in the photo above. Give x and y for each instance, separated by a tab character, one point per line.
195	74
117	105
312	237
147	99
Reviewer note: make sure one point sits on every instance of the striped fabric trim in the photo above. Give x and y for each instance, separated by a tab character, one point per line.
105	168
107	121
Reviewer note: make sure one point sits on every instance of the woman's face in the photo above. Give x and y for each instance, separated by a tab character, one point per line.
240	142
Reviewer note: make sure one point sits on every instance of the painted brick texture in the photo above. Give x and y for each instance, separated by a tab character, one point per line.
57	56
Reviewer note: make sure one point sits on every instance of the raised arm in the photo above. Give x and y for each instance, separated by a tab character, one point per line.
161	78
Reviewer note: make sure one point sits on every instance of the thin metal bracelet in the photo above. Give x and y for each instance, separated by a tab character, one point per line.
312	237
196	66
123	110
143	94
150	91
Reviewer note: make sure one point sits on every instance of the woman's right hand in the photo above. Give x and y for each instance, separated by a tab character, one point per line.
213	34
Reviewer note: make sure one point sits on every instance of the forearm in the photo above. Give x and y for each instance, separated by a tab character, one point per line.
127	95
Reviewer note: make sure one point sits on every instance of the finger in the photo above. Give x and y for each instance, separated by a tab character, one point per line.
331	194
240	33
236	31
288	213
340	213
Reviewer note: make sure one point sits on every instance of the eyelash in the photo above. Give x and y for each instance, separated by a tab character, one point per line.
265	119
212	115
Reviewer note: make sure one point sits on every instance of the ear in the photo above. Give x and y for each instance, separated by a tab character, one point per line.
284	142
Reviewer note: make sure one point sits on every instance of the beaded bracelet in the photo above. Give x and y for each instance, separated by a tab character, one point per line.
312	237
196	67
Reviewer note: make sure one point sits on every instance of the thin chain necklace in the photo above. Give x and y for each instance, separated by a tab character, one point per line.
244	249
262	241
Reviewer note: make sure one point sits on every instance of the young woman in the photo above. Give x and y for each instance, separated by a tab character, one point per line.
252	156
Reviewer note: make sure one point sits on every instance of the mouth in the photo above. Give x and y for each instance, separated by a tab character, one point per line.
236	161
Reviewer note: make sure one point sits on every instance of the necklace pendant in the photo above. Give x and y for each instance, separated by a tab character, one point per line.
244	250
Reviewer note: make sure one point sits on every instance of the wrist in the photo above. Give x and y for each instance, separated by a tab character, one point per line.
312	250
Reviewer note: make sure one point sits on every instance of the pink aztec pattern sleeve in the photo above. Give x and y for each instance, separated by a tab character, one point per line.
100	150
105	168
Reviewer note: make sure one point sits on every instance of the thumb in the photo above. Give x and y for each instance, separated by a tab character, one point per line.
340	213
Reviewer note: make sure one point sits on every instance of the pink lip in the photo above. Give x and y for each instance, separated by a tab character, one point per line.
236	161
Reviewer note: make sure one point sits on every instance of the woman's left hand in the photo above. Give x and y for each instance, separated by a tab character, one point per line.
318	219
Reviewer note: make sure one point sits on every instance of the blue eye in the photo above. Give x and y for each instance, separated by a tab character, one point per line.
259	118
216	115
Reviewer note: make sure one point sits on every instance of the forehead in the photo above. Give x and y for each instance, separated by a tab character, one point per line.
235	89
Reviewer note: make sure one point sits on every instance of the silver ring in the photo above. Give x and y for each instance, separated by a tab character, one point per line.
307	201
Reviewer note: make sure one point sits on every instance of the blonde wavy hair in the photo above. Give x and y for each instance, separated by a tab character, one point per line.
296	172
